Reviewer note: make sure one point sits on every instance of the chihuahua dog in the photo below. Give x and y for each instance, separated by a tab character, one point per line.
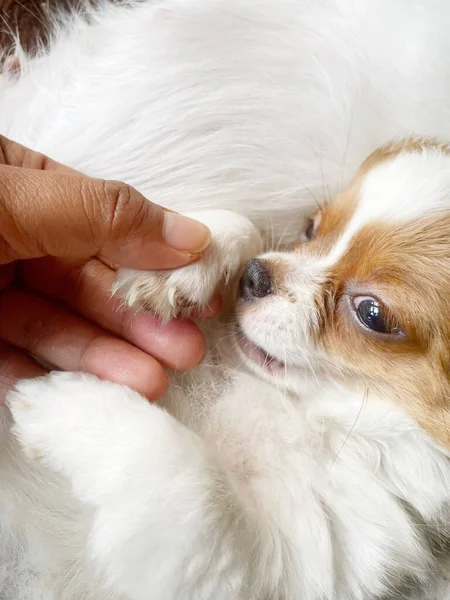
308	457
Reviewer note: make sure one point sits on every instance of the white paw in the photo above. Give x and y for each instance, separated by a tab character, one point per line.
98	435
41	410
187	291
182	292
59	417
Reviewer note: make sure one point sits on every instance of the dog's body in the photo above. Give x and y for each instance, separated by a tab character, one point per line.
245	489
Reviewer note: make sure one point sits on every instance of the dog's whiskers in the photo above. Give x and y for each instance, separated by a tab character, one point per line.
345	154
308	362
347	437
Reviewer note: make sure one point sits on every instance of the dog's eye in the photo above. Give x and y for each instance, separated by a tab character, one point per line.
373	315
312	225
310	230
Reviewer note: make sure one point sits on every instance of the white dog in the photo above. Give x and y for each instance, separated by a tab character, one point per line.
308	457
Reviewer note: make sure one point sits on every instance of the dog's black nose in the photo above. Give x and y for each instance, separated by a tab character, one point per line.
256	281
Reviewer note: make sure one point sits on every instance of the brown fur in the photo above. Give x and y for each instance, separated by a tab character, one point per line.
396	147
407	268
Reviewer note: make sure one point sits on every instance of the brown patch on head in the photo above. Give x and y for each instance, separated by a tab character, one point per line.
396	147
335	216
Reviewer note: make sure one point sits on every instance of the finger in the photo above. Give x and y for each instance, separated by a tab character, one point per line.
15	365
179	344
7	273
16	155
59	214
63	339
110	218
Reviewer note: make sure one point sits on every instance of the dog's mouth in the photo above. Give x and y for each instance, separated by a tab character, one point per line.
257	354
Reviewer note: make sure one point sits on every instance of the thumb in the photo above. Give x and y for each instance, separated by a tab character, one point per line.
63	214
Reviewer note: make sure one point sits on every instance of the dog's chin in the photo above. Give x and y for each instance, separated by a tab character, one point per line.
298	379
256	357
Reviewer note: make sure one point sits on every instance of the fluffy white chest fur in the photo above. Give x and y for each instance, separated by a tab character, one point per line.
248	486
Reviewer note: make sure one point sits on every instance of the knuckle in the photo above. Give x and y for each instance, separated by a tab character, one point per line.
118	201
126	208
118	195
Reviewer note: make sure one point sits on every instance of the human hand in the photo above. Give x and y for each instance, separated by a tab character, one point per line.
62	236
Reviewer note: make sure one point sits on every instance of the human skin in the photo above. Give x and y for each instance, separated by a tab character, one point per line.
62	238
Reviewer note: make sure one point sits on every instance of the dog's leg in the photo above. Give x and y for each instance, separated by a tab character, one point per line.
183	291
168	523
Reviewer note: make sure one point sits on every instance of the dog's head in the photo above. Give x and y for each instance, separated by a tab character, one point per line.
364	297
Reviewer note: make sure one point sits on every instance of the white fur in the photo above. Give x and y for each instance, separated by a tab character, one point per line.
411	186
239	489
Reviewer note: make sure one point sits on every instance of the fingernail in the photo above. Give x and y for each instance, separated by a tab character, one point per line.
184	233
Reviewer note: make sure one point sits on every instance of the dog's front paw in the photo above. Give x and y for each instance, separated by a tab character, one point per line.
42	411
91	432
60	418
34	404
187	291
182	292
